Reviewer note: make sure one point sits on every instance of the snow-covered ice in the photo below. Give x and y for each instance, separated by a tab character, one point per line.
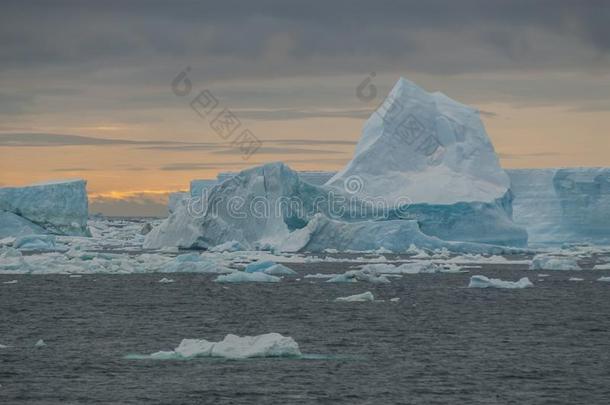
35	242
233	347
364	297
484	282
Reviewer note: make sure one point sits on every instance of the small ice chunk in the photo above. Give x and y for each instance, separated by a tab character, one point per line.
261	266
602	266
165	280
395	299
364	297
10	282
40	343
243	277
354	276
280	270
484	282
321	275
606	279
547	262
576	279
234	347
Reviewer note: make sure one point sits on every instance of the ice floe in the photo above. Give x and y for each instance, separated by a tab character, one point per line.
243	277
547	262
364	297
233	347
484	282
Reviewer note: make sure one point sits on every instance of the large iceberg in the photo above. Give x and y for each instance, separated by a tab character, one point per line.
562	205
55	207
424	173
430	153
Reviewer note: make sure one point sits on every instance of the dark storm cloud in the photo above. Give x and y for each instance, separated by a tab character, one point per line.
242	38
115	56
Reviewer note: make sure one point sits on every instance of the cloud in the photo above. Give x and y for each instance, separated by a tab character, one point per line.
48	140
510	156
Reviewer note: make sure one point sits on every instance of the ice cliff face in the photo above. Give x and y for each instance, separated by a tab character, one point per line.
563	205
55	207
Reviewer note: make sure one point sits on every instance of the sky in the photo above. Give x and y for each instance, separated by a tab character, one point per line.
86	87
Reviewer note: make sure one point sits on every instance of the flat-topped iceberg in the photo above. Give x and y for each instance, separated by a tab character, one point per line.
57	207
233	347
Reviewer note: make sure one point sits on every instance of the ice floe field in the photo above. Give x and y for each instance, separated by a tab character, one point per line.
101	319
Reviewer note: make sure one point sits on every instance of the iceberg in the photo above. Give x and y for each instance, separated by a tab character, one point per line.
364	297
57	207
484	282
353	276
431	156
396	192
243	277
176	199
548	262
234	347
12	225
562	205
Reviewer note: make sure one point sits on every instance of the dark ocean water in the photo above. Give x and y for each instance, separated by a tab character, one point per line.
441	344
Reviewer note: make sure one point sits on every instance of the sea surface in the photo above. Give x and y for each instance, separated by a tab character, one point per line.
442	343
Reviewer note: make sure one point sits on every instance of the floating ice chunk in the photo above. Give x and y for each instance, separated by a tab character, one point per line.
10	282
234	347
40	343
35	242
165	280
354	276
364	297
280	270
606	279
395	299
260	266
602	266
321	275
547	262
230	246
576	279
484	282
3	347
243	277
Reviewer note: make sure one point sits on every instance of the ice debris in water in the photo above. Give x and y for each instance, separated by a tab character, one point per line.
484	282
230	246
243	277
576	279
606	279
165	280
353	276
413	268
234	347
366	296
40	343
602	266
10	282
548	262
